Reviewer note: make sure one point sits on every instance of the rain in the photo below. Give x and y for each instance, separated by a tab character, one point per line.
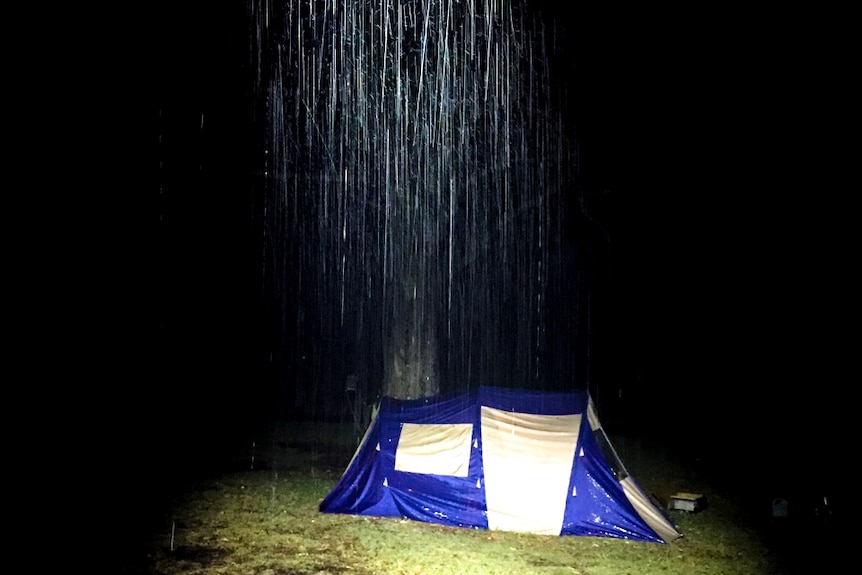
416	202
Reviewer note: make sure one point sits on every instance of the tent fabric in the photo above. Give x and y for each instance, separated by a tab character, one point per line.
499	459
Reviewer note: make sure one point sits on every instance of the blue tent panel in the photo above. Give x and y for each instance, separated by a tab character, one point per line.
599	506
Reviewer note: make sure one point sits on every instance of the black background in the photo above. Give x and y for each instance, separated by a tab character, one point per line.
715	140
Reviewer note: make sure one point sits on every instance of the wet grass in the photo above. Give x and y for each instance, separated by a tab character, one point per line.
263	518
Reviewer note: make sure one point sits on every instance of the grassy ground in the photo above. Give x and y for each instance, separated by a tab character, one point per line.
258	514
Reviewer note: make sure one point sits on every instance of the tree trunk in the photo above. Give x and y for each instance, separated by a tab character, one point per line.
411	368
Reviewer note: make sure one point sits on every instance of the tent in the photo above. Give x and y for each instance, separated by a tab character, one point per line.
498	459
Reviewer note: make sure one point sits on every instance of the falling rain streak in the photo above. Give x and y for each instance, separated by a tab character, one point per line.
414	167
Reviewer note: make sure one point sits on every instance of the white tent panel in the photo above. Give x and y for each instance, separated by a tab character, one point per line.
434	448
528	464
648	512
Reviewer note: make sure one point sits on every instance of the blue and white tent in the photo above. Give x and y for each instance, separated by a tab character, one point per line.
510	460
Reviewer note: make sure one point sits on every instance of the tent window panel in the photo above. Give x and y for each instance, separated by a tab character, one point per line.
434	449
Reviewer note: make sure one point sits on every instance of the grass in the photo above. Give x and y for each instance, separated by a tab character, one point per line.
260	515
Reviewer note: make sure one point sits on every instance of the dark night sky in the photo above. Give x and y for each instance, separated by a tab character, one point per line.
712	134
